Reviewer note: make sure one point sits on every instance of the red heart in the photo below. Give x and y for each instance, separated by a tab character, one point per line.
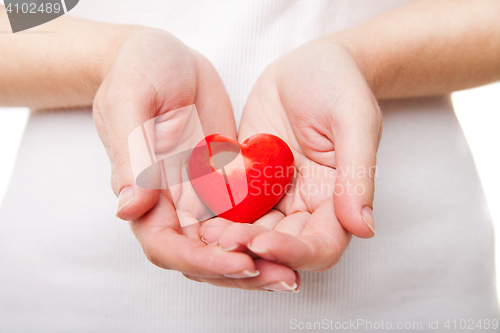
241	182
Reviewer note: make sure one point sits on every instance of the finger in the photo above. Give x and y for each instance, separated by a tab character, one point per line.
272	277
234	236
191	230
120	116
133	201
293	224
356	144
319	247
270	219
159	233
211	229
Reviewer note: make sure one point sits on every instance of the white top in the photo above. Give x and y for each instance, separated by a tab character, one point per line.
68	265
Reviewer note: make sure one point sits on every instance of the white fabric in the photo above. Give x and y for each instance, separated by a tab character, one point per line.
68	265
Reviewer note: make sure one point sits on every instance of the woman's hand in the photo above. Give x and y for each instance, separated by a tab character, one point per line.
318	101
152	74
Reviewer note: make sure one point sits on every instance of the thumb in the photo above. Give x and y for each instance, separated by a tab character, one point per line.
356	143
152	74
116	117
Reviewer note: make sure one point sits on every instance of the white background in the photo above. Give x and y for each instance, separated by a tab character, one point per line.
478	111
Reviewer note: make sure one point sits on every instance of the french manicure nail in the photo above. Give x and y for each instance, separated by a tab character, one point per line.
229	249
242	275
367	215
281	286
126	196
256	250
206	242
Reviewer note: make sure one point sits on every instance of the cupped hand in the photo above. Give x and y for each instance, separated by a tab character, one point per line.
150	75
318	101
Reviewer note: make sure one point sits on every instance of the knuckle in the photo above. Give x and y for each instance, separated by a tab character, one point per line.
119	159
180	94
236	229
115	186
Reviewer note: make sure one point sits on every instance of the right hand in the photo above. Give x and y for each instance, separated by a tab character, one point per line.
318	101
151	74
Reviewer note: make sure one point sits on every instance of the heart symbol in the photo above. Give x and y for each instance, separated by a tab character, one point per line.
241	182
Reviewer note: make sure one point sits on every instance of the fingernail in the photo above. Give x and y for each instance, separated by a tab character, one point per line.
281	286
367	215
229	249
126	196
242	275
206	242
256	250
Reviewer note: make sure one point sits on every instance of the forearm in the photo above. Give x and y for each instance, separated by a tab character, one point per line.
429	47
59	64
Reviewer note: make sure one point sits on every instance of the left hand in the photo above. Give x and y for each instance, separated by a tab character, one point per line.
318	101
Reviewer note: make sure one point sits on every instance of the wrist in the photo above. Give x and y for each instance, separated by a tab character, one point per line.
366	63
120	34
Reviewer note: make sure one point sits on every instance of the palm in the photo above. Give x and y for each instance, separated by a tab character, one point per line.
301	98
314	180
306	211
